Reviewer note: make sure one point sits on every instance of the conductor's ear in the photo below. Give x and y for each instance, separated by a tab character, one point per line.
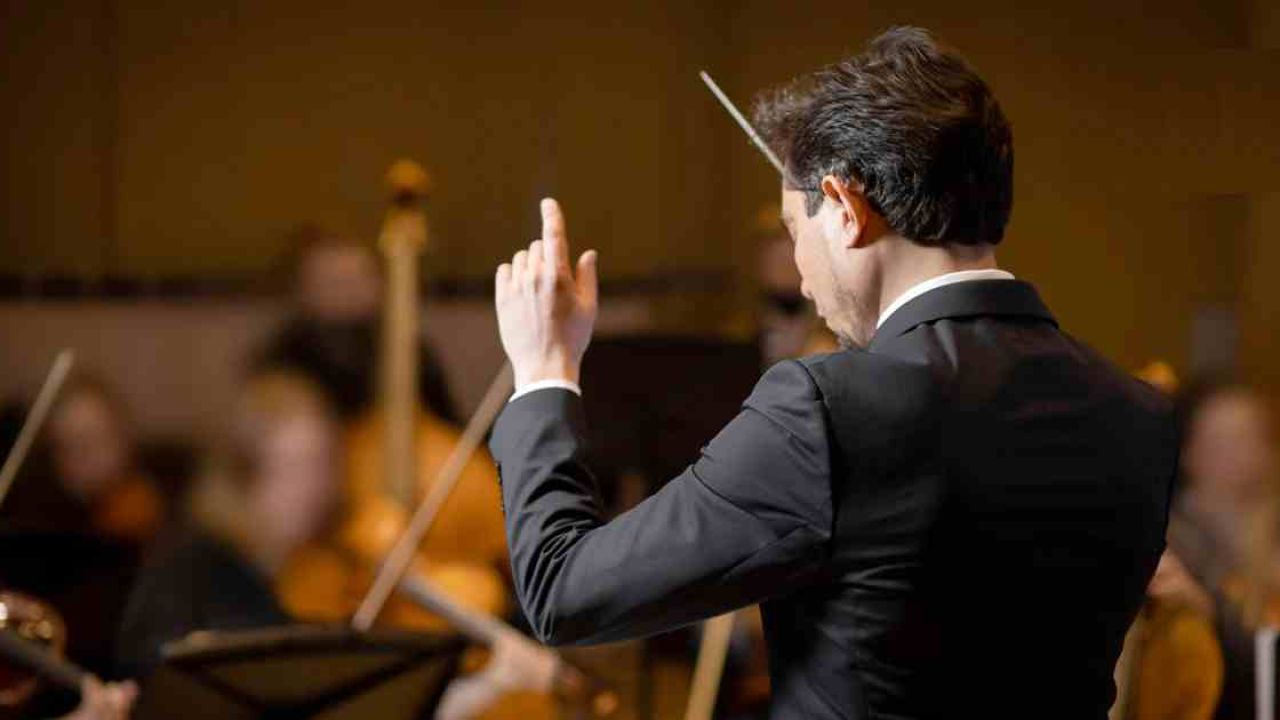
849	212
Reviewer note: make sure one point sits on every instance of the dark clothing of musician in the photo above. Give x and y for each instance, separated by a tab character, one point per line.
85	578
342	357
53	546
194	582
957	521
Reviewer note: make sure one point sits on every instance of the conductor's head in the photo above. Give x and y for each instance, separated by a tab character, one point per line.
899	167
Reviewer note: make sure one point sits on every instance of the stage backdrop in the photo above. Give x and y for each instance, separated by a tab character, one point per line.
146	140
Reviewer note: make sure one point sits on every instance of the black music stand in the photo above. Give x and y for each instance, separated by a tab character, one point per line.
651	403
298	672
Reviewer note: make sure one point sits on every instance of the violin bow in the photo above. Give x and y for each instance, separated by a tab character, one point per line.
35	418
396	564
13	647
393	572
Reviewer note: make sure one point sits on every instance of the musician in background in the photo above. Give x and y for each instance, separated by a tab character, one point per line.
1229	464
85	476
78	520
270	490
332	335
1226	519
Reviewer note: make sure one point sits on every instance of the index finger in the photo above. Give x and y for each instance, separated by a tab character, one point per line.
555	246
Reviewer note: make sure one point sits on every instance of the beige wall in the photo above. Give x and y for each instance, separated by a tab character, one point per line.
179	365
1260	297
150	140
55	92
234	123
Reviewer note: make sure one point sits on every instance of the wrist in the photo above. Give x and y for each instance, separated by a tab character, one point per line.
567	372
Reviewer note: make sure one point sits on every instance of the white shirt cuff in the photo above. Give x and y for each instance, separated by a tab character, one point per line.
569	385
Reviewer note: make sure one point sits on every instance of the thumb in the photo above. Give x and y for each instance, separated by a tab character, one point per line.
588	278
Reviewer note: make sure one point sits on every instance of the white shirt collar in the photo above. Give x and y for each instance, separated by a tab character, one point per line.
938	281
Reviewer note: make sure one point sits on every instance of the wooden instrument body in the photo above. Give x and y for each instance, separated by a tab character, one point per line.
463	552
1178	671
131	510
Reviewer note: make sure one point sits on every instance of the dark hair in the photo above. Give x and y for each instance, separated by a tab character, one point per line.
912	122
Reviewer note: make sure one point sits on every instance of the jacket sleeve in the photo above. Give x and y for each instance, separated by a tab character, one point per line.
751	518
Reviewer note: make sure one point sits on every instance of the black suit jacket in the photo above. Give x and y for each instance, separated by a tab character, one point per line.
958	521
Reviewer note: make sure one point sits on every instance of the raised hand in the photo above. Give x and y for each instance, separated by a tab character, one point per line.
545	313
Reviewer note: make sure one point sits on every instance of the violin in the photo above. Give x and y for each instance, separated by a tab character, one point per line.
33	638
131	511
32	634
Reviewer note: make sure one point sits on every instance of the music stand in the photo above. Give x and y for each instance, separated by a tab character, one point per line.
296	672
653	401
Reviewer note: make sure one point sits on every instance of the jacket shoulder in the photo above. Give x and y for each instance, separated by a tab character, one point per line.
1141	395
872	384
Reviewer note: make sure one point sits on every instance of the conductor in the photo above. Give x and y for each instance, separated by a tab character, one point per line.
954	516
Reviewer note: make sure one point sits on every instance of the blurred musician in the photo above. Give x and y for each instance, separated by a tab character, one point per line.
77	522
332	335
85	476
1226	521
270	490
955	517
266	497
1229	465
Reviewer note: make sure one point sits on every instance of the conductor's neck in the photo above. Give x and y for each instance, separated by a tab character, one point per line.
905	264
